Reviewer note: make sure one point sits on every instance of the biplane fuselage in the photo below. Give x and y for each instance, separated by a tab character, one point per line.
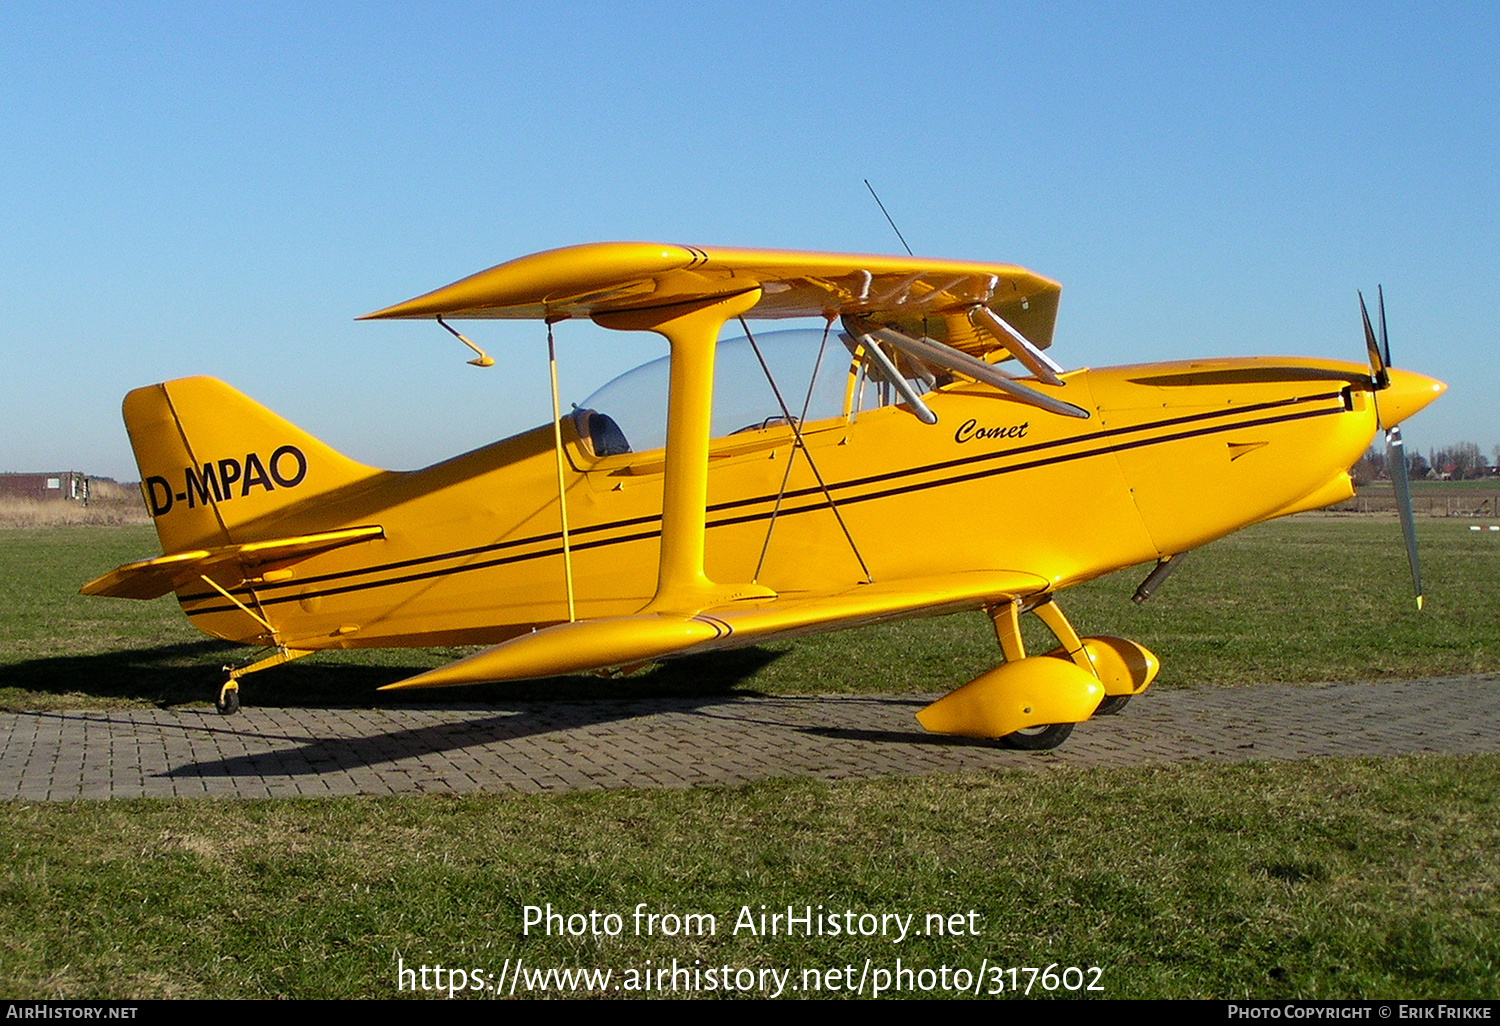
471	549
883	515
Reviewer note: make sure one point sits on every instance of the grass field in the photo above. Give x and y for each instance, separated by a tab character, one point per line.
1330	879
1335	878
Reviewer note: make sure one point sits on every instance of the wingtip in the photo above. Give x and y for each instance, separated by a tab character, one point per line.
433	678
400	310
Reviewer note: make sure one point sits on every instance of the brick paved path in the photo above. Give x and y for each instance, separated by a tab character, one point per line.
565	746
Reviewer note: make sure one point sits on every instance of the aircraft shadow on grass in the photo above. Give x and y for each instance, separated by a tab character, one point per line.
172	675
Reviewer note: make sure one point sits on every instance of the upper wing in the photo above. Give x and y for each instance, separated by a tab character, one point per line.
623	640
913	295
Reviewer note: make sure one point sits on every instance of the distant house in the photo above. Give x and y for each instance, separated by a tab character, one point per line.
59	486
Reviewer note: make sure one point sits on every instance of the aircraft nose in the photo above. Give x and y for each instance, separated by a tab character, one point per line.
1409	393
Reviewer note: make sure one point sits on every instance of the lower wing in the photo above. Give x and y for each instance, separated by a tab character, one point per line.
643	637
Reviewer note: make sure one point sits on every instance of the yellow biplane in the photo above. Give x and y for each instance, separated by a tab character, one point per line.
920	454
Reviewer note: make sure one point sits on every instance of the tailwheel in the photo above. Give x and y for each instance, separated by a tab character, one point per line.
229	695
1038	739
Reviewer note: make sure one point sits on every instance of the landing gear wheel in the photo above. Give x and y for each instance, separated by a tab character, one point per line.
1038	739
229	699
1112	705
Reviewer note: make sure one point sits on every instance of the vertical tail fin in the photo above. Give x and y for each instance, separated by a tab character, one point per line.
212	461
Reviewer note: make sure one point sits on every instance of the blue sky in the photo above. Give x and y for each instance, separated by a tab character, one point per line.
221	189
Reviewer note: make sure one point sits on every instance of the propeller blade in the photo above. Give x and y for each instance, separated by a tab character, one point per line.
1385	342
1395	465
1395	450
1378	363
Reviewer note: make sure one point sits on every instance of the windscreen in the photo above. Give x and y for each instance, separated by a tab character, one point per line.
743	399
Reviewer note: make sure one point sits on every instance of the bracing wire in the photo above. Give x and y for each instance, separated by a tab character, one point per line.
887	214
799	443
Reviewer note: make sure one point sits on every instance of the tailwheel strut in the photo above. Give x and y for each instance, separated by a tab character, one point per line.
229	695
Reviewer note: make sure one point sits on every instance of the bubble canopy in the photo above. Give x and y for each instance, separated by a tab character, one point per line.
743	399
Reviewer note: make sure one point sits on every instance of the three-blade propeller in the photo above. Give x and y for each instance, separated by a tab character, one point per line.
1395	451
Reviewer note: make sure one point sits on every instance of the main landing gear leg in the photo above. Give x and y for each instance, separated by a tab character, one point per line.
1007	620
1049	613
229	695
1072	645
1124	663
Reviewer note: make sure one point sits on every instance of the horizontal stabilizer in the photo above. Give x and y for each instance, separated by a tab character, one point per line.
623	640
152	578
